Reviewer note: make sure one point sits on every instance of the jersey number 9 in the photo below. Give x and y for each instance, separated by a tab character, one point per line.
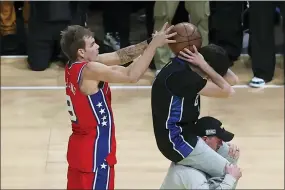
71	112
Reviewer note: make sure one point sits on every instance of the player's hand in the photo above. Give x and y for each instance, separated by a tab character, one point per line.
192	57
234	171
234	151
162	37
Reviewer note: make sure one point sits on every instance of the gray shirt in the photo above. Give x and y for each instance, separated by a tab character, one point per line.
184	177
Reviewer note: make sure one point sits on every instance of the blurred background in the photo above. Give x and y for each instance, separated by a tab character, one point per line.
245	29
34	121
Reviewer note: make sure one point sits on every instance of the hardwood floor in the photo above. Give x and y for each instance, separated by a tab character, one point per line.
35	130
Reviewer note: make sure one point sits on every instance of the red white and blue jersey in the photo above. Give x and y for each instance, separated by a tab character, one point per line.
92	142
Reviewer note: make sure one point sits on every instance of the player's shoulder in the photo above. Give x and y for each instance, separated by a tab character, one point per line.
95	67
76	65
182	74
96	64
86	65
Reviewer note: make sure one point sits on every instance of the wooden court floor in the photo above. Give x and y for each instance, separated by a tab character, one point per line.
35	130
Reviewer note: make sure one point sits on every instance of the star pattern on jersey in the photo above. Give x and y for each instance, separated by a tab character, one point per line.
99	105
102	110
104	123
103	166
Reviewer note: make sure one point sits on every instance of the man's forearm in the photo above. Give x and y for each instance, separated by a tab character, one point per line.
139	66
231	78
215	77
129	53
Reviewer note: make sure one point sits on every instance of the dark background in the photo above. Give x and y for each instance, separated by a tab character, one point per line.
138	27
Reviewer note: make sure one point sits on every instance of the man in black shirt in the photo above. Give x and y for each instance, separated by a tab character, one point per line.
175	103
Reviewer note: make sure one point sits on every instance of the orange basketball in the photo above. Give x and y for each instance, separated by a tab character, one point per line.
187	36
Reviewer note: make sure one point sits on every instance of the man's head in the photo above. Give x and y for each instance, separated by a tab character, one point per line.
211	131
78	43
216	57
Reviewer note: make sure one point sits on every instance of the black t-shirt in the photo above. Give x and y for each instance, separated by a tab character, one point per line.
175	109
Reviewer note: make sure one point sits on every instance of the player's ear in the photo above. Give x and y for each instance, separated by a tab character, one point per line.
204	138
80	52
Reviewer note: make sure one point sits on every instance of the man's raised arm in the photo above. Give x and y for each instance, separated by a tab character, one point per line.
124	55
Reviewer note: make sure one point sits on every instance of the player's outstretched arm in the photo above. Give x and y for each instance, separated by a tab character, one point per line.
118	74
124	55
231	78
161	38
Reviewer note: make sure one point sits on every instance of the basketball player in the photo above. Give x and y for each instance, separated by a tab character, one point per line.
175	100
185	177
91	151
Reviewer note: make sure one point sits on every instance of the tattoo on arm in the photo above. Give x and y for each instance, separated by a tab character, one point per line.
129	53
